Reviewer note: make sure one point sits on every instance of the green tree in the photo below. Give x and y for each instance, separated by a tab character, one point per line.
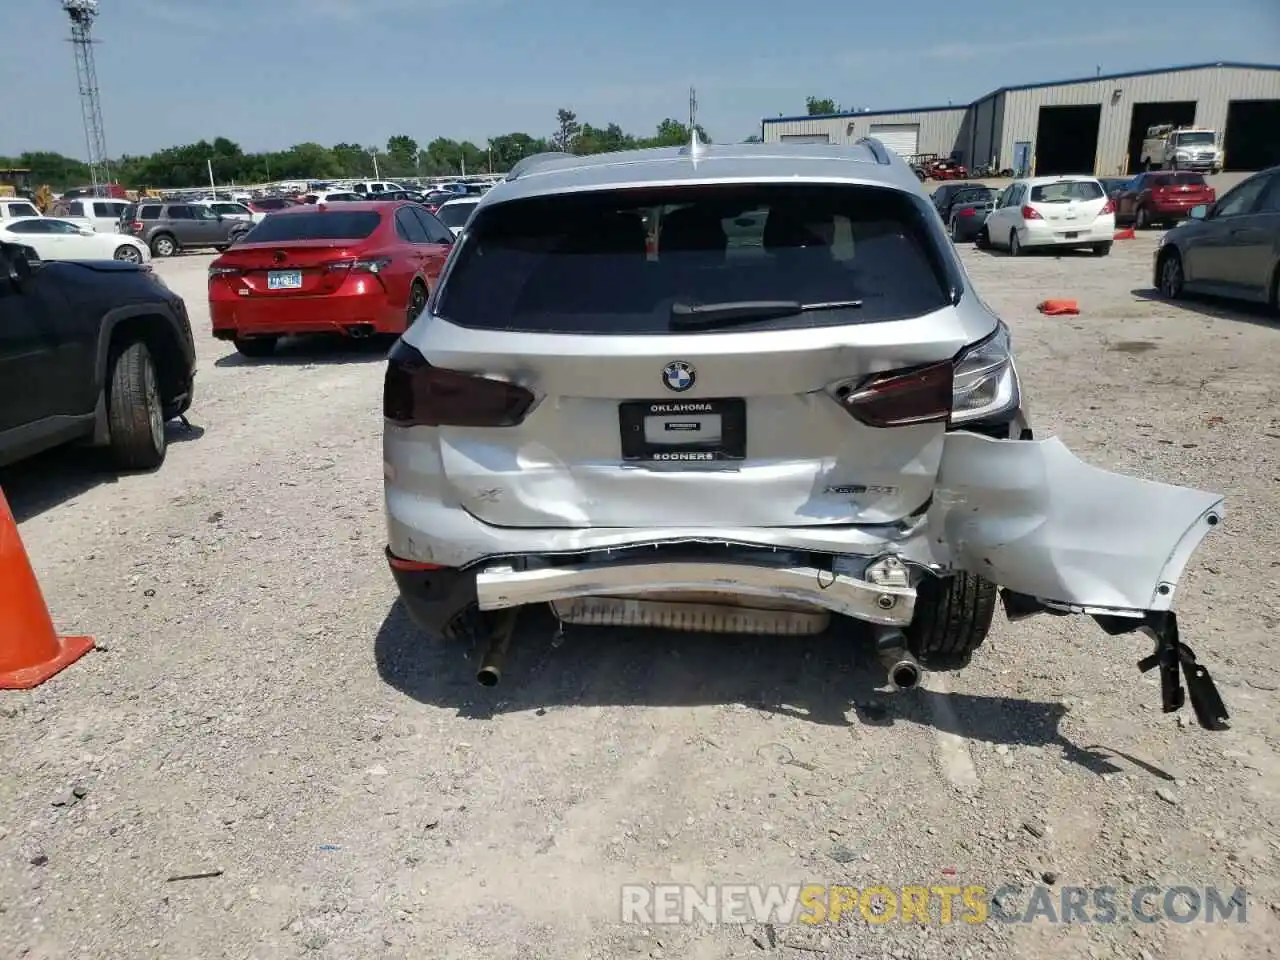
820	105
402	155
567	130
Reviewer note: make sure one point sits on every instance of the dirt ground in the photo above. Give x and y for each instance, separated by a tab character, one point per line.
259	705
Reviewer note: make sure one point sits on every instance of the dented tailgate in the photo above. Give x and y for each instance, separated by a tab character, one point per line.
1032	517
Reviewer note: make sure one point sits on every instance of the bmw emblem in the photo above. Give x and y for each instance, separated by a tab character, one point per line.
678	376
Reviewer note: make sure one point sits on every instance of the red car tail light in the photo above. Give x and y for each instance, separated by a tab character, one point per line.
902	397
1108	207
135	225
416	394
965	212
1031	213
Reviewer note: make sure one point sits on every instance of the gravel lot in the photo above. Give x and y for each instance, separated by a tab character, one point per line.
261	707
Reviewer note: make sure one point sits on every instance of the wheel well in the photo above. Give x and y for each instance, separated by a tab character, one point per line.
162	343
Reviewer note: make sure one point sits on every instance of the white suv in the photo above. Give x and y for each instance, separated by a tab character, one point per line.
1051	212
746	388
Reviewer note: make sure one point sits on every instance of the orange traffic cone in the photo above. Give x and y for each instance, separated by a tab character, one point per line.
1125	234
1058	308
30	651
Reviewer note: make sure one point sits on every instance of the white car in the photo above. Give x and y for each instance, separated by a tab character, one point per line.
455	213
1068	211
11	208
101	214
56	239
233	210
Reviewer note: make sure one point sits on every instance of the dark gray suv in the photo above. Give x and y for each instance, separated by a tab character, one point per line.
168	228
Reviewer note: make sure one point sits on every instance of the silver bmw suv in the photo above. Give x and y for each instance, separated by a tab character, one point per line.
748	388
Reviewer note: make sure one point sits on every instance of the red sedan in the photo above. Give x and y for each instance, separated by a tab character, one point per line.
350	268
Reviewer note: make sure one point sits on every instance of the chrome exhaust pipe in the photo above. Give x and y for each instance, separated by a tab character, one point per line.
903	670
361	331
495	651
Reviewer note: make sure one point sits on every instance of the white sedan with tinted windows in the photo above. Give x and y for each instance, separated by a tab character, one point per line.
55	239
455	213
1070	211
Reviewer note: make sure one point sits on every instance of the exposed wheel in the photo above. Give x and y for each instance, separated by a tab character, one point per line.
127	253
953	616
1171	275
256	346
1015	245
955	230
135	412
417	302
164	246
1102	249
1142	219
983	241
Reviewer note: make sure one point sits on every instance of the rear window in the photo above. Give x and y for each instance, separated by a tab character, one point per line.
455	214
616	262
1066	191
1178	179
23	210
329	225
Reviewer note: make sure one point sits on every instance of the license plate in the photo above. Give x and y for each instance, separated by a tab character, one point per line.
284	279
1072	234
683	431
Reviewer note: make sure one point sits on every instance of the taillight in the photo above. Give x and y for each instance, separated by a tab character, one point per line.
1031	213
978	383
966	212
135	225
1108	207
416	394
372	265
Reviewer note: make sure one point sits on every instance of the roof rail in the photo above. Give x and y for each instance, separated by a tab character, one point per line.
876	147
525	164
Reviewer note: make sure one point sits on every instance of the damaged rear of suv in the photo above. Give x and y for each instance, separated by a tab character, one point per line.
749	389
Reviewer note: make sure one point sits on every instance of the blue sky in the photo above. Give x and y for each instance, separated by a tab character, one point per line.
270	73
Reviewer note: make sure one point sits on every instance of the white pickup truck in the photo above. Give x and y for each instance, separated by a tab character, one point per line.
1168	147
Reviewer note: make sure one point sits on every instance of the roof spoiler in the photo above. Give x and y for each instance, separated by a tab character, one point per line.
528	163
876	147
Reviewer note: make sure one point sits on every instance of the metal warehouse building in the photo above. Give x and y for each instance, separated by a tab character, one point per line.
1094	124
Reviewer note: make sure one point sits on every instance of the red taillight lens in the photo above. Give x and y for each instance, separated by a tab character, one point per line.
1031	213
903	397
1108	207
966	212
135	225
416	394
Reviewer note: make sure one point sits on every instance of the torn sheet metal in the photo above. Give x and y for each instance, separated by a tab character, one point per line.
1032	517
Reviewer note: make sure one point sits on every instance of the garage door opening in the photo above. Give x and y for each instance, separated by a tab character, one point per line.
1067	139
1181	113
1252	138
902	138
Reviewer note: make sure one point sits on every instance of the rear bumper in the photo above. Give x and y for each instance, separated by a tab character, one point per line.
348	315
1174	211
1102	230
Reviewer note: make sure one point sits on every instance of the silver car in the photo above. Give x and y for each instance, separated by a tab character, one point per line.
748	388
1230	248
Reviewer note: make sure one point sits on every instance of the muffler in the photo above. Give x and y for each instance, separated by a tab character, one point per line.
495	651
360	331
901	667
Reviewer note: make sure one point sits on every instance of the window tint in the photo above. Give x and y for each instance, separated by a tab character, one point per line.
437	232
1066	191
1178	179
203	213
1271	201
181	213
30	226
61	226
408	227
75	209
589	262
23	210
1242	198
149	213
455	214
329	225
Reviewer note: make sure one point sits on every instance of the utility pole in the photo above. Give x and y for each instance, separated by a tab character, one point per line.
82	14
373	152
693	110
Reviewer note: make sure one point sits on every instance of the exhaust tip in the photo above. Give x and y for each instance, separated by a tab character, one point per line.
905	675
488	676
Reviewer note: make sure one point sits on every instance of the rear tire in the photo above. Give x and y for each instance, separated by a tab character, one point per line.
952	619
1102	249
256	346
417	302
983	241
1141	219
135	411
1015	245
164	246
1171	275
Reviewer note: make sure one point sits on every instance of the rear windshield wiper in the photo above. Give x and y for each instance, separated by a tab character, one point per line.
698	316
